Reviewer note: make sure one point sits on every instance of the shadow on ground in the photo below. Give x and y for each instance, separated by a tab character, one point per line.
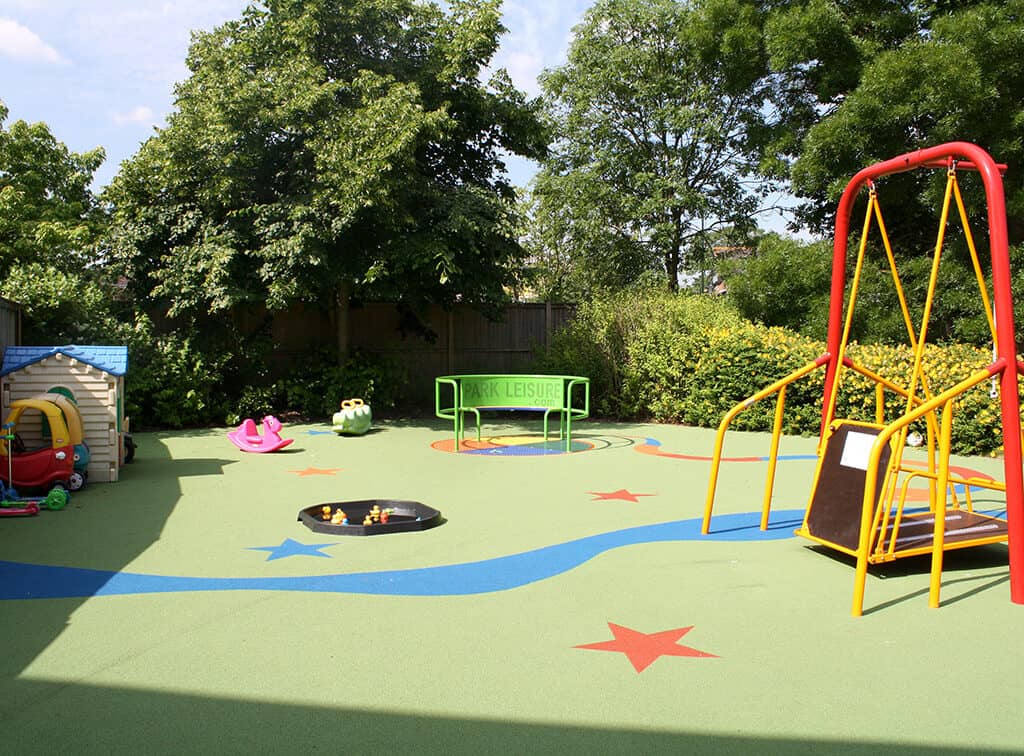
110	720
107	539
965	573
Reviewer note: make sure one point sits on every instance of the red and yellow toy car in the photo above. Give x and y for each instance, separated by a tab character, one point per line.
36	449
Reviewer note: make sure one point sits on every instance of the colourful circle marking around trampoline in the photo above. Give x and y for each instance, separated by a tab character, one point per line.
653	447
535	446
513	446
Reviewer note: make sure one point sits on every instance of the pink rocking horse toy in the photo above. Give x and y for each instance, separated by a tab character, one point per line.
247	437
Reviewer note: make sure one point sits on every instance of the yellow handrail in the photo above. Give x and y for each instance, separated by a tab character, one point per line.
779	387
723	426
868	511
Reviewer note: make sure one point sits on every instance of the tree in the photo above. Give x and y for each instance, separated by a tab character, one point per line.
785	282
48	214
573	256
658	116
324	149
50	222
860	82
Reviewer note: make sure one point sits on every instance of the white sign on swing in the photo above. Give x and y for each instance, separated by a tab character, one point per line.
857	450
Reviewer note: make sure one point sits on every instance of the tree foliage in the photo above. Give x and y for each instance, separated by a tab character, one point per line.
326	146
47	212
783	283
820	88
859	82
657	114
50	222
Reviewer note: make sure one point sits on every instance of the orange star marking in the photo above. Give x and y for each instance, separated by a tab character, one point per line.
316	471
642	649
622	495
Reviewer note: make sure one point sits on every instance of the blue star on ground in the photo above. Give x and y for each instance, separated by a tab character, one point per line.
289	548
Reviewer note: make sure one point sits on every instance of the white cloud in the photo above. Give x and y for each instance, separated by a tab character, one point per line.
21	43
144	43
539	35
524	66
138	114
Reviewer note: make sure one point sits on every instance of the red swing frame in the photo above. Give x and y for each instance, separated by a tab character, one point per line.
1005	364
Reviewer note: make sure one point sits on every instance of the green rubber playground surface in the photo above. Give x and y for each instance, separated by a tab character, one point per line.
567	604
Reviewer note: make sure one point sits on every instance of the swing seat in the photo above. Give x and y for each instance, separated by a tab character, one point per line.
835	513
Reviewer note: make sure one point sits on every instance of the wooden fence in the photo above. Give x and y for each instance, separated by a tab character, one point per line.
460	340
10	324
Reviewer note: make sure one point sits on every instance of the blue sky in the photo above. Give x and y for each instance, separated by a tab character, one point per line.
102	73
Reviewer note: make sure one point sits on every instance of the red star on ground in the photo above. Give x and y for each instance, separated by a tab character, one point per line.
316	471
622	495
642	649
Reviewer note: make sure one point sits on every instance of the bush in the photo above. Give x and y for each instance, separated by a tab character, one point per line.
59	307
787	283
315	389
742	359
637	347
194	376
690	358
171	382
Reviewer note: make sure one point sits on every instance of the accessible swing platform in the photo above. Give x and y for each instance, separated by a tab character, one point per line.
567	396
834	517
861	502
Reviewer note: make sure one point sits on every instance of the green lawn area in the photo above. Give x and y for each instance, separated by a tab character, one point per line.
184	609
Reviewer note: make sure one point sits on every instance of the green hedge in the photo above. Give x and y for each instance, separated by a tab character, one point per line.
317	386
173	382
638	349
661	357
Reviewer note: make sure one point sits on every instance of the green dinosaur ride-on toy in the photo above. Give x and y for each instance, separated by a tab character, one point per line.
353	419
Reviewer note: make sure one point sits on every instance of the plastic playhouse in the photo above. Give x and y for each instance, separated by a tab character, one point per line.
93	379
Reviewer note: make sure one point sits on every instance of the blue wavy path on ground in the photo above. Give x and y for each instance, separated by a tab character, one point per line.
19	580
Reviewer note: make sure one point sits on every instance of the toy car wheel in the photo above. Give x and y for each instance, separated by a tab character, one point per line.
57	498
76	481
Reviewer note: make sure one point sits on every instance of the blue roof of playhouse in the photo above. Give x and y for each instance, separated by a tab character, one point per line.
112	359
